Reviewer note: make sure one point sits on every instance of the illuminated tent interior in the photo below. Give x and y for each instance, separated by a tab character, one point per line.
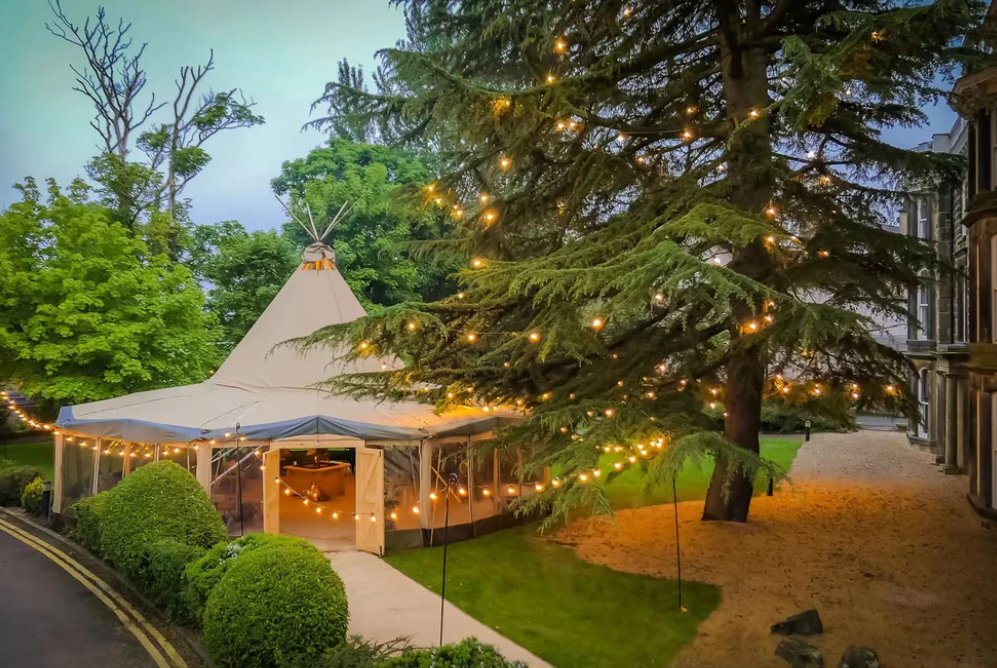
278	454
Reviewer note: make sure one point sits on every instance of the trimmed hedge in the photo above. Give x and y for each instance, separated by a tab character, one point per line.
13	480
162	577
204	574
276	606
160	500
467	653
89	518
31	499
359	653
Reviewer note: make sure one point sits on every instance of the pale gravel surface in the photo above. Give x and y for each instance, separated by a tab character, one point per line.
870	533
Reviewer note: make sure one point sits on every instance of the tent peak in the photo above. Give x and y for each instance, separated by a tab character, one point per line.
310	228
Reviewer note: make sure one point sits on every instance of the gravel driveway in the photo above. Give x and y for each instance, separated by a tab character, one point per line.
870	533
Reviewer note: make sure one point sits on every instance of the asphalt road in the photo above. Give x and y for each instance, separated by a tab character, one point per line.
49	620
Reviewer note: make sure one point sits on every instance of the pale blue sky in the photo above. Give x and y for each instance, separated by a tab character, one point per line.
281	52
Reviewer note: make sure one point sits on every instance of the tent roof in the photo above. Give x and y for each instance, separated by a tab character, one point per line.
268	389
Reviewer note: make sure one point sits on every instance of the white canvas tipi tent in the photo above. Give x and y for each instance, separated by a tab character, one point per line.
266	393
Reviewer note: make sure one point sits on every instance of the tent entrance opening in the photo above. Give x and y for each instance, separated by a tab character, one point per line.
318	496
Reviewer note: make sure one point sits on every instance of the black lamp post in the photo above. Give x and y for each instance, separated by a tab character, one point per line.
451	480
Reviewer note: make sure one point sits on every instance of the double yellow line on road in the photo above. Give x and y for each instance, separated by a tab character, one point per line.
131	618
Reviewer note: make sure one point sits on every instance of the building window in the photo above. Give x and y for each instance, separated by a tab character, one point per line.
961	301
923	211
923	398
923	309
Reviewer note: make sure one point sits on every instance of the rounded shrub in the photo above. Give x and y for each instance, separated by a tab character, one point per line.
206	572
467	653
89	517
13	480
31	498
160	500
277	606
162	577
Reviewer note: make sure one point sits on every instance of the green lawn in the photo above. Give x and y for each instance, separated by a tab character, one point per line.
37	453
627	489
567	611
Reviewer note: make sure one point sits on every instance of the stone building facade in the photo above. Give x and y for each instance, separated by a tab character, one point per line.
976	101
937	330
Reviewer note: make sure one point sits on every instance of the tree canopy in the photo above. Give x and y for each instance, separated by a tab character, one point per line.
243	271
674	207
86	312
377	244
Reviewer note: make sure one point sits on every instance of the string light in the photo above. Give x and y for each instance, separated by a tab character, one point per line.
551	78
753	113
560	46
485	198
534	336
477	263
472	337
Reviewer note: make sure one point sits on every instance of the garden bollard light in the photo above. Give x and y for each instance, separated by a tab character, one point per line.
46	497
807	425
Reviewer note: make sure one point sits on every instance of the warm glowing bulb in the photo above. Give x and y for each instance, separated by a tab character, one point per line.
609	412
462	491
687	135
490	217
472	337
364	345
373	518
411	326
539	487
560	46
753	326
659	297
510	490
486	492
785	390
415	509
583	477
597	323
484	198
534	336
753	113
596	472
714	391
477	262
632	459
432	495
618	465
318	510
305	502
287	492
394	516
555	482
551	78
770	211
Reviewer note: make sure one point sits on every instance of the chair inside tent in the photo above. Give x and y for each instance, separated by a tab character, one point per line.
278	454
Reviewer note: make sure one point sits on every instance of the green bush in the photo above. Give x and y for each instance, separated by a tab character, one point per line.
13	480
31	499
467	653
160	500
784	418
206	572
162	577
276	606
359	653
89	518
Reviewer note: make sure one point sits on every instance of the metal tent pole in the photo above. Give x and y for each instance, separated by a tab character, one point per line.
451	479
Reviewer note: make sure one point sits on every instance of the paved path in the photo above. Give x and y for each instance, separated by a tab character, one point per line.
384	604
48	619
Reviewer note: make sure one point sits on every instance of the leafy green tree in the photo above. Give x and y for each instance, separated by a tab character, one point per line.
244	271
377	245
671	204
86	312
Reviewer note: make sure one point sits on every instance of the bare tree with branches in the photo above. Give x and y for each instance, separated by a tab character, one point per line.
113	80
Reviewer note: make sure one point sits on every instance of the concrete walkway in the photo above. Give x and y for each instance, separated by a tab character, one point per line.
384	604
